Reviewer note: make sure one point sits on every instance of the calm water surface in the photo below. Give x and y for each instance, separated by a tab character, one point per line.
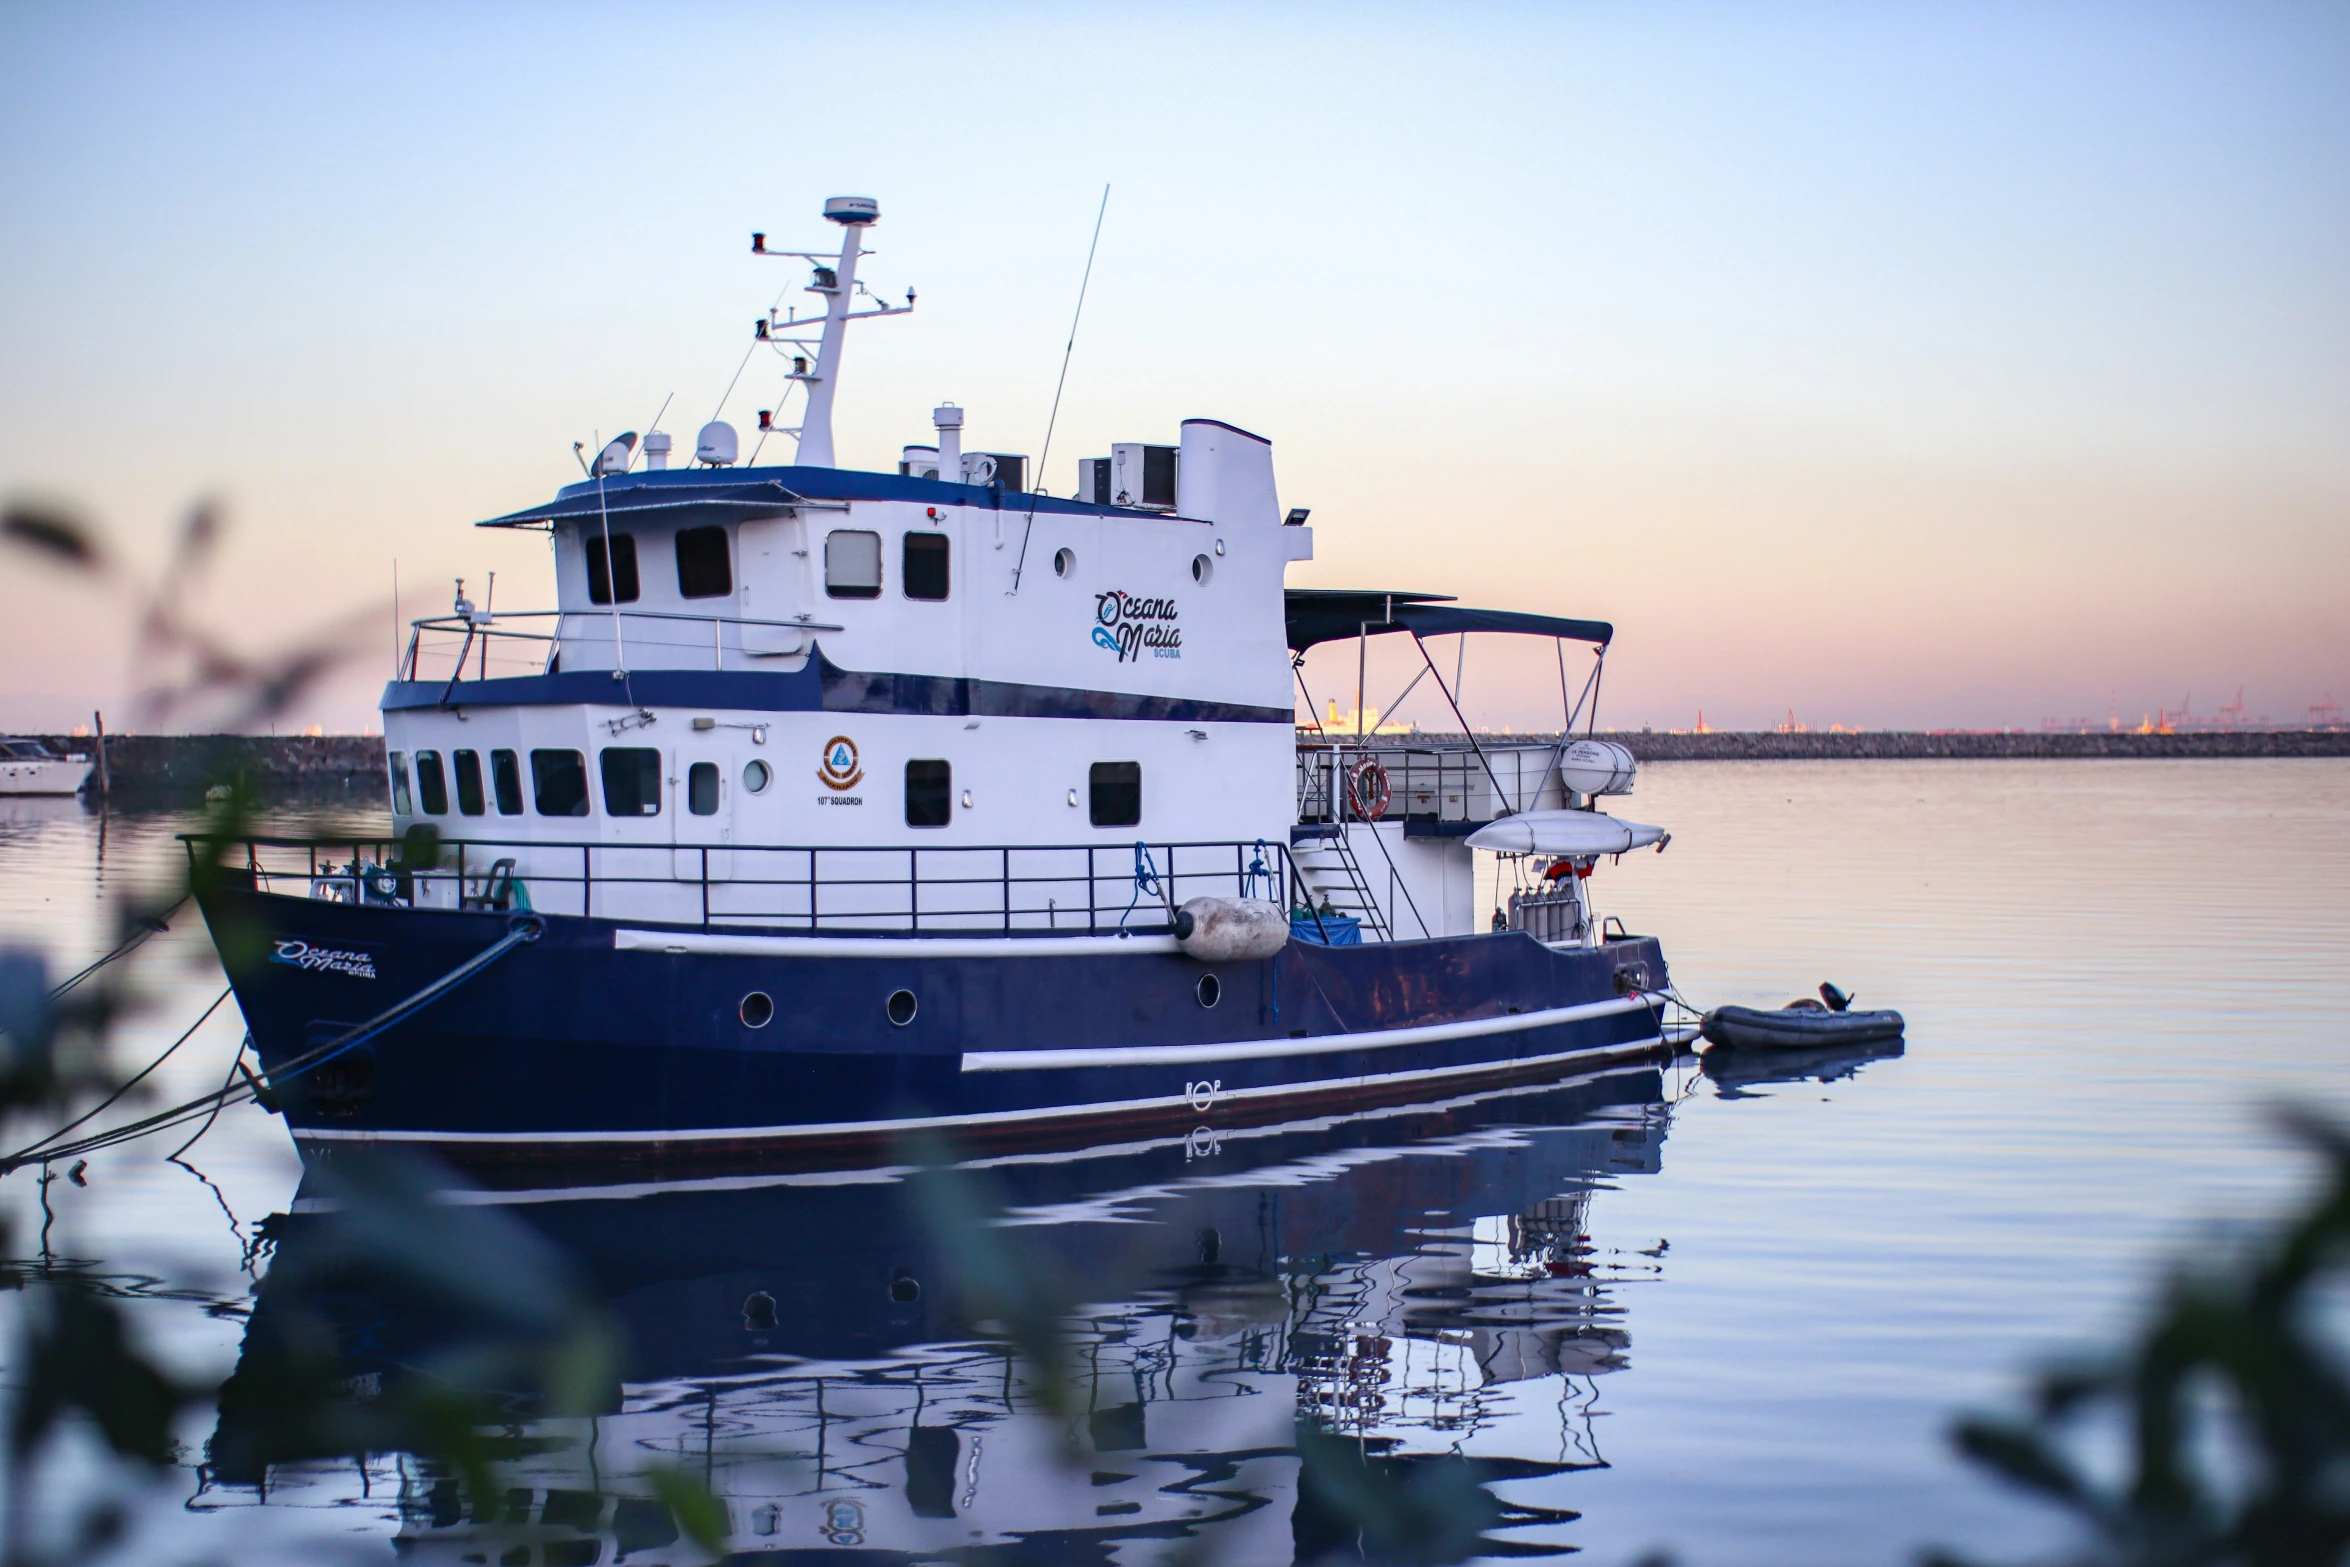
1732	1320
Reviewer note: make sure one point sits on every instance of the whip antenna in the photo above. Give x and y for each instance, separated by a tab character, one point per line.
1055	417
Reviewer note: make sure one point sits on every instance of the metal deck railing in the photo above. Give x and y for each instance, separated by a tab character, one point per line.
913	889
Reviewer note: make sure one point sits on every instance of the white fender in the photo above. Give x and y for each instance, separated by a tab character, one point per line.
1230	930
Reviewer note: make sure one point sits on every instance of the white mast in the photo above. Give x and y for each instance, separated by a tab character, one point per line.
852	213
836	282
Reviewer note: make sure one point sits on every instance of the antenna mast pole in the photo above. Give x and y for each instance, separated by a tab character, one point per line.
852	214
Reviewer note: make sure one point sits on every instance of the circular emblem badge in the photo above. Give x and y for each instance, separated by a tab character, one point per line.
839	769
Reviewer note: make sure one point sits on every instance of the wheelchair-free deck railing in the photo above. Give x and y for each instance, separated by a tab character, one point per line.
1096	888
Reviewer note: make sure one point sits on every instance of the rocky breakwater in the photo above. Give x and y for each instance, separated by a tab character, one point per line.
177	769
1926	745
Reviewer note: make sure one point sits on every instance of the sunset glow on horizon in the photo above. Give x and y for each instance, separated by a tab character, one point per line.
1912	368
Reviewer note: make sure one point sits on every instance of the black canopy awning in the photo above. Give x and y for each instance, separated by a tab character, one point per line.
681	504
1329	614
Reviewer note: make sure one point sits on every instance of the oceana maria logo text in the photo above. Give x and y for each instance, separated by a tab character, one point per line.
1126	625
332	960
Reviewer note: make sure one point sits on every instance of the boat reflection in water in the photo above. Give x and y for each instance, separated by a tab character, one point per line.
1417	1280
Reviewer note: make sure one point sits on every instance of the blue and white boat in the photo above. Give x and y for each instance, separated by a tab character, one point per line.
829	806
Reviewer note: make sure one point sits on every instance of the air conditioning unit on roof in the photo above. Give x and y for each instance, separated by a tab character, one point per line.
1142	476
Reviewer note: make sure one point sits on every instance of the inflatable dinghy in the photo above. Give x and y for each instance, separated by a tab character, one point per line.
1800	1025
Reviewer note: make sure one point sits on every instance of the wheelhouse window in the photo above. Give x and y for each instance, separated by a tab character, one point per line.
930	793
612	579
559	779
701	788
924	566
852	564
401	805
506	782
1116	790
703	570
632	780
432	785
467	765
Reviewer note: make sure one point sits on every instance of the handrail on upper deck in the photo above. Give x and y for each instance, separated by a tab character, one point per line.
484	627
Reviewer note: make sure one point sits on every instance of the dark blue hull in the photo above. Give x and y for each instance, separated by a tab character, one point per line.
598	1045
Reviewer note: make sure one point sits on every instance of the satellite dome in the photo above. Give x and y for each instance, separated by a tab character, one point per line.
853	209
716	444
615	456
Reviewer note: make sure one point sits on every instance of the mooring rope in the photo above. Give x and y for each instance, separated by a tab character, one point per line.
522	928
127	1085
149	925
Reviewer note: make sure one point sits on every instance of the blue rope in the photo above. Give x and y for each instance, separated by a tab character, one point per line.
1256	868
1146	879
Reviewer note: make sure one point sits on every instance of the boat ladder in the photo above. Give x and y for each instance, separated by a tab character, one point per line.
1327	869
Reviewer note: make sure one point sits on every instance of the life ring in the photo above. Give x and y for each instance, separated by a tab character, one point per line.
1562	869
1367	790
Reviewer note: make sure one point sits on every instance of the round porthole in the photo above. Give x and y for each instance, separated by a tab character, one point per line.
1064	562
757	1010
905	1289
900	1007
1202	568
1211	990
757	775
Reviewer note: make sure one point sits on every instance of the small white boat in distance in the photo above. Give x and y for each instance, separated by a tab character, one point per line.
1574	834
30	767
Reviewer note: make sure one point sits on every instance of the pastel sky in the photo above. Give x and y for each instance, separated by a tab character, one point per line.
1951	365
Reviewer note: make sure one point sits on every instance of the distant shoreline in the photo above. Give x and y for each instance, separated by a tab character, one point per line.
166	768
1906	745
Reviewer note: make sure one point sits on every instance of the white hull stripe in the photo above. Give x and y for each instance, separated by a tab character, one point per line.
1313	1045
788	1134
907	946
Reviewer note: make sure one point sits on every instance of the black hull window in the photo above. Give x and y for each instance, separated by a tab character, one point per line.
1116	788
432	786
621	576
632	780
468	768
703	571
506	782
400	805
701	788
560	780
925	566
930	793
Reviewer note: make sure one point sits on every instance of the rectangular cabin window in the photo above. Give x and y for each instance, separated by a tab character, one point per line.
400	802
432	788
924	573
468	768
506	782
701	788
703	571
632	780
930	793
621	576
1116	788
560	780
852	564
